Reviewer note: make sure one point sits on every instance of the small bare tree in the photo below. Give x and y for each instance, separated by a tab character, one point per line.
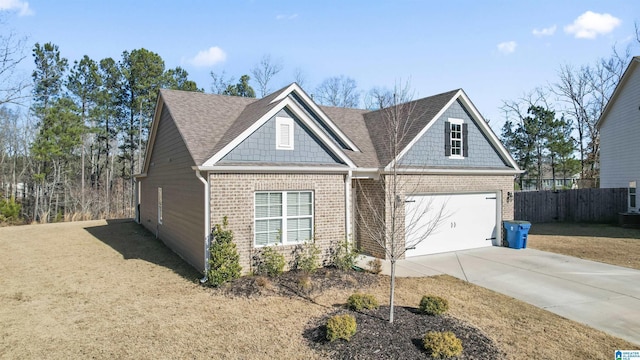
264	71
381	214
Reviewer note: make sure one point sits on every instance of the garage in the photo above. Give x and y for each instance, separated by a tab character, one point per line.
466	221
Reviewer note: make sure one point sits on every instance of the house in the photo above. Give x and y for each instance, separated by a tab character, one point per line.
285	170
619	127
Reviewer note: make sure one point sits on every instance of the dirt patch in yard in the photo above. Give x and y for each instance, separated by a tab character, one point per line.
111	290
603	243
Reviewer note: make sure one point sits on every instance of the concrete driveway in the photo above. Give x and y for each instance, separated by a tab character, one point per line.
603	296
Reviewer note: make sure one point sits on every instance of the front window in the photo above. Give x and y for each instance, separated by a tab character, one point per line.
276	211
456	138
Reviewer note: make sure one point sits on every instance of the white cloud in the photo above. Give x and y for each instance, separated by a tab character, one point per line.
545	31
590	24
209	57
18	5
286	16
507	47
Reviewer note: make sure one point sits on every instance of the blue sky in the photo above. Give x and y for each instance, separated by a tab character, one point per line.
494	50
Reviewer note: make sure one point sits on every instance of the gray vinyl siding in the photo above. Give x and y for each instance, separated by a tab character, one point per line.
182	227
619	134
261	146
429	150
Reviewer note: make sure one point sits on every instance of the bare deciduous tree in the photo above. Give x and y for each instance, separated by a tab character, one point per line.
299	77
378	98
12	83
380	212
586	91
220	82
338	91
264	71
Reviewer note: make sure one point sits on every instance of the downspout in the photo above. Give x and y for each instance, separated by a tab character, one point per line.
347	205
207	224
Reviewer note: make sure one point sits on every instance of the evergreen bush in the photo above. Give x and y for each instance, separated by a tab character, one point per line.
224	260
433	305
341	327
359	301
442	345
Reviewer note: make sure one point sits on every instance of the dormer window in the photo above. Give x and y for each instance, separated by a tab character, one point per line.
284	133
455	140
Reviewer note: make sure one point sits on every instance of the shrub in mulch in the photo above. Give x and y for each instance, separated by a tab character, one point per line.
376	338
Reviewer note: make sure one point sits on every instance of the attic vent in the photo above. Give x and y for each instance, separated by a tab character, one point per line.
284	133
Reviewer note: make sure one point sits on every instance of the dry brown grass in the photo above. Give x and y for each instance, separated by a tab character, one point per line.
603	243
98	290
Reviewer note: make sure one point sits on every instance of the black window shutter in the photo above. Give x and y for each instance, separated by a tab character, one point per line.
465	143
447	138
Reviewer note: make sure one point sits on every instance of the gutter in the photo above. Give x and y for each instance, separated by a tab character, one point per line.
207	224
348	205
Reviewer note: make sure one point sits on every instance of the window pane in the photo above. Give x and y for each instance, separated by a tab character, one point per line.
262	212
275	225
292	236
262	239
262	198
292	198
292	210
304	223
305	210
274	238
262	225
292	224
275	210
305	198
304	235
275	198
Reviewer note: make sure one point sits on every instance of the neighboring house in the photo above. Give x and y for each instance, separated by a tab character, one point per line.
619	127
284	170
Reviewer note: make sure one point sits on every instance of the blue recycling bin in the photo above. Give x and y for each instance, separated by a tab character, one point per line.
517	232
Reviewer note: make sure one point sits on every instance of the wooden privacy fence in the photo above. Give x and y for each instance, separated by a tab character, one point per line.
579	205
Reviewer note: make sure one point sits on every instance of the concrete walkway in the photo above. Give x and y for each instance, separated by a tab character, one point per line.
605	297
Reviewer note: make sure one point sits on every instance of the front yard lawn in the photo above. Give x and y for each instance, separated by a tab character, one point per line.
111	290
603	243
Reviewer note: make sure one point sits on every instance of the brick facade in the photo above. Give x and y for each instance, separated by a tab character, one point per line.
373	208
232	195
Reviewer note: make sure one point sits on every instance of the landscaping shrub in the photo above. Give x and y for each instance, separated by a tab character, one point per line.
309	259
224	260
341	327
442	345
433	305
344	255
375	266
359	301
271	262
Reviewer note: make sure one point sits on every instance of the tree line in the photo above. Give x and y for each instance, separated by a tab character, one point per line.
551	131
74	152
73	136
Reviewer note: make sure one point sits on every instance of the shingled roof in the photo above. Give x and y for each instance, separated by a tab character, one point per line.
209	122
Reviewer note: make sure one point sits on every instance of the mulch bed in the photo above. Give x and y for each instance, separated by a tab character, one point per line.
298	284
376	338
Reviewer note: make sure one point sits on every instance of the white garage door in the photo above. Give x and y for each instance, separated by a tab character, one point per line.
467	221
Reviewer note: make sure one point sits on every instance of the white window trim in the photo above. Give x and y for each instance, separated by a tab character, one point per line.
453	121
284	217
159	206
280	145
